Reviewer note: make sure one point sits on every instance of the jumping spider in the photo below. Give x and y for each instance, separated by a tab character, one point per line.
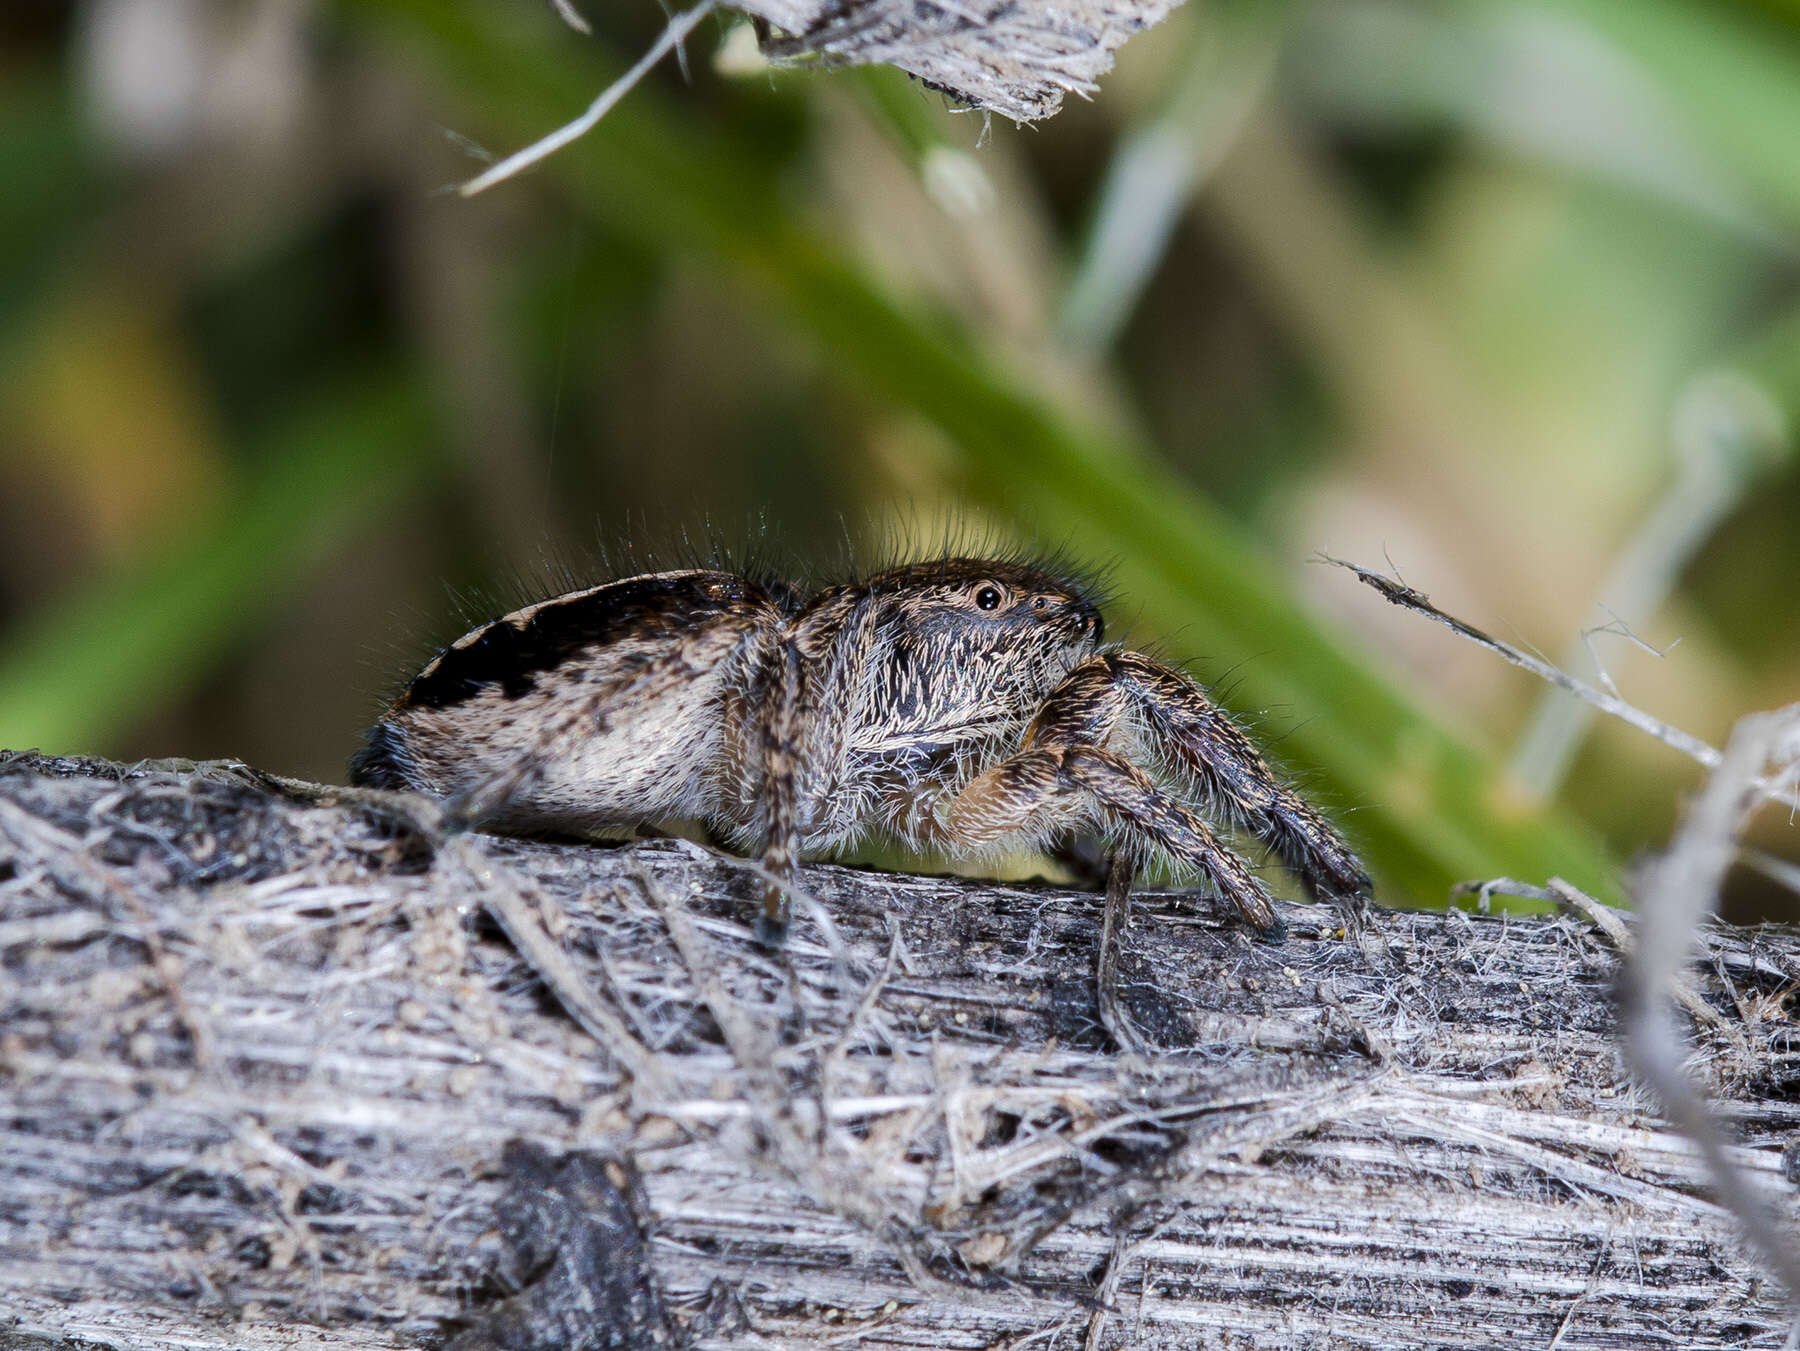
965	705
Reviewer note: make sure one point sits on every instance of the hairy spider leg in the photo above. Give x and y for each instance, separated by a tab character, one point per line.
1191	738
1070	781
1133	798
1064	771
781	790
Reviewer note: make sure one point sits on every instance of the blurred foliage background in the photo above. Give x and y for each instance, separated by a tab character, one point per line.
1502	291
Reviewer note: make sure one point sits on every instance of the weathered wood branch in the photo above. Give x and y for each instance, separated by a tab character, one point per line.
276	1072
1018	58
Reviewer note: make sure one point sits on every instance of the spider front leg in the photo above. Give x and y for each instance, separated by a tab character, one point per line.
1060	781
1133	800
1188	736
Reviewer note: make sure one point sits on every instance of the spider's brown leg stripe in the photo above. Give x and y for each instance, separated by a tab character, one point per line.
1134	801
781	786
1204	745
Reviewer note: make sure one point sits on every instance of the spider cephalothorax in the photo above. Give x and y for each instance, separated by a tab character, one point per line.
964	705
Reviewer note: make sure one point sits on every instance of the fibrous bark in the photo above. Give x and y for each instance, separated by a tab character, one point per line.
1017	58
277	1071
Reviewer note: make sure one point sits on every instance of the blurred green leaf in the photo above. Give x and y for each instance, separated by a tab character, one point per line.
1733	75
96	662
1431	809
1161	162
50	188
1771	359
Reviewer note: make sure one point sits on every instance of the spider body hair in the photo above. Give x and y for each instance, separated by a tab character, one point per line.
966	705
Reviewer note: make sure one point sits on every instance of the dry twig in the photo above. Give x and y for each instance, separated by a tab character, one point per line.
1675	895
678	27
1407	598
1017	58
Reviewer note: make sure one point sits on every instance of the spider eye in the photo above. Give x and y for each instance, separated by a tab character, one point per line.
988	598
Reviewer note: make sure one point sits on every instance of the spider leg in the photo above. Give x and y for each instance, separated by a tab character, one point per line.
1190	737
1134	801
1054	787
781	726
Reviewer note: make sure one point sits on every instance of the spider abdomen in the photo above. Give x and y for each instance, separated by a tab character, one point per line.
611	700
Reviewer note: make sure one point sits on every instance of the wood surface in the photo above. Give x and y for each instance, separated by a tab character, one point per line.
283	1068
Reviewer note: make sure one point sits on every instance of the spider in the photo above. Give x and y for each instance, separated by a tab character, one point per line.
965	705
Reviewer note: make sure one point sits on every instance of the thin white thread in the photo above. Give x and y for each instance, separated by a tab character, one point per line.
678	28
